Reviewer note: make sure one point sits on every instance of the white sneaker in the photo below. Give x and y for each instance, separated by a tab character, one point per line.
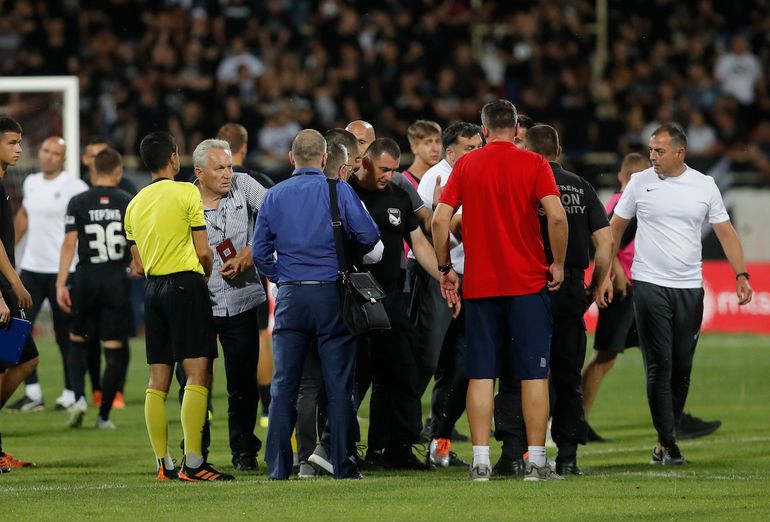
65	400
102	424
77	411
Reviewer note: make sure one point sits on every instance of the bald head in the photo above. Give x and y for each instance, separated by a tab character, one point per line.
51	155
364	133
308	150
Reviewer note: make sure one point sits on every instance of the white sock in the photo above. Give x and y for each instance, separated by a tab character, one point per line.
168	462
480	455
34	391
68	395
537	455
193	460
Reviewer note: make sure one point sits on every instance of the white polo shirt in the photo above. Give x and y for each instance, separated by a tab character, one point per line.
670	213
45	201
425	190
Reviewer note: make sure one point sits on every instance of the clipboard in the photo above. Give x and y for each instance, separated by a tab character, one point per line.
12	339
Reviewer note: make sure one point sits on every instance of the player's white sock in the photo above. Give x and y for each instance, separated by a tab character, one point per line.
34	391
193	460
480	455
168	462
537	455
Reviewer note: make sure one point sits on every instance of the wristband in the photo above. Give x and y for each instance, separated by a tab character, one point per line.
444	269
744	274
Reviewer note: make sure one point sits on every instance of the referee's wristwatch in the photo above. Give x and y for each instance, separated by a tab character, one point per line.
444	269
742	274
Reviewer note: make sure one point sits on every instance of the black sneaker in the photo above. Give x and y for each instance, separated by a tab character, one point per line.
458	437
426	434
691	427
26	405
593	436
506	467
668	456
374	461
404	459
205	472
568	466
455	461
245	462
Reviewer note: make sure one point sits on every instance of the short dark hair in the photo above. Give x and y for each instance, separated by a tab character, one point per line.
336	155
107	161
156	149
235	134
9	125
342	137
525	122
543	139
382	146
459	129
96	140
499	114
675	132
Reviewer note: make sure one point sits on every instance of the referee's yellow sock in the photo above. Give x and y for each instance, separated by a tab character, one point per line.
157	421
194	410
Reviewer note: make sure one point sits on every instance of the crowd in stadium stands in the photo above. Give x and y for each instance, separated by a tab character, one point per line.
278	66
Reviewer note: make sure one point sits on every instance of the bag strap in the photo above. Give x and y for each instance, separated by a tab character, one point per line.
339	238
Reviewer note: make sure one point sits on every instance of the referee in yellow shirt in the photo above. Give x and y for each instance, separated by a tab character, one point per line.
165	226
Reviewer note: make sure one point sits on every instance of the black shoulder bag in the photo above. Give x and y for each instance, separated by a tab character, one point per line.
361	294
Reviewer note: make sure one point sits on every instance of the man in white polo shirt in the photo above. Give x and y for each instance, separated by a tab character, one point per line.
41	218
671	201
442	340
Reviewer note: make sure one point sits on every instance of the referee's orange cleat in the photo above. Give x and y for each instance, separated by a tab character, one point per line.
205	472
9	461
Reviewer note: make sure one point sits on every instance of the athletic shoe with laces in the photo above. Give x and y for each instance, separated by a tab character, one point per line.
4	470
668	456
592	436
245	462
9	461
164	473
307	470
506	467
205	472
691	427
26	405
540	473
455	461
65	400
321	460
402	457
439	452
480	473
77	411
102	424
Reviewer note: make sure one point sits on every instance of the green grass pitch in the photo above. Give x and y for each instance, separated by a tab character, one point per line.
90	474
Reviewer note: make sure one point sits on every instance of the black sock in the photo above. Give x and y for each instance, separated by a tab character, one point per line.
114	369
264	396
127	349
94	364
32	377
77	365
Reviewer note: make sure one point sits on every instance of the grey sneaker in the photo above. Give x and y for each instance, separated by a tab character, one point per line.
537	473
320	459
307	471
670	456
480	473
77	411
104	424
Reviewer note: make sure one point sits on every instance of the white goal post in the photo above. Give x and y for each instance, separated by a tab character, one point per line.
68	86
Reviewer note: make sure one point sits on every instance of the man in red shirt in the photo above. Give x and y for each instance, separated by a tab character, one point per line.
508	311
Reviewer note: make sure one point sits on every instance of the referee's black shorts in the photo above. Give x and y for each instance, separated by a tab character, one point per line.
29	350
616	328
101	303
178	318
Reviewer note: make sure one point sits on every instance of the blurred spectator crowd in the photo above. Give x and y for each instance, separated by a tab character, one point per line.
277	66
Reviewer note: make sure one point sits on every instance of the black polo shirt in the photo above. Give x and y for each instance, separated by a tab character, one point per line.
391	209
7	234
585	215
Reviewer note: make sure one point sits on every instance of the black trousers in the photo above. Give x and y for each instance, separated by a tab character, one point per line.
568	349
668	321
395	407
451	385
239	337
42	287
311	405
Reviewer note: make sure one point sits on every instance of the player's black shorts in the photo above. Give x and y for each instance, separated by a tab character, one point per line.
178	318
101	303
616	329
263	310
29	351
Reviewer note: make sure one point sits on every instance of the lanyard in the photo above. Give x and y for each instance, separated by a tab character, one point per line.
214	225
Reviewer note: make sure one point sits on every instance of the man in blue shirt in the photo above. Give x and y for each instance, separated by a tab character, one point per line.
295	223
